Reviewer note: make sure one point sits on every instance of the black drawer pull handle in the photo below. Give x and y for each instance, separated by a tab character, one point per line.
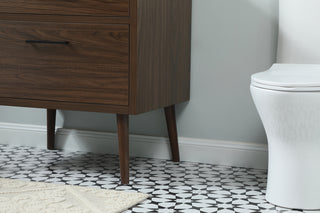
46	42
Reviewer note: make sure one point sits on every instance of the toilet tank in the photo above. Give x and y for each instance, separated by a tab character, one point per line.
299	32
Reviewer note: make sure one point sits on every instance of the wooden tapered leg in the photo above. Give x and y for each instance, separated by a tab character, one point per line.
123	139
51	125
172	131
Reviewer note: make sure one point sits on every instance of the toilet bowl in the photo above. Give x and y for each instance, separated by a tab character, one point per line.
287	97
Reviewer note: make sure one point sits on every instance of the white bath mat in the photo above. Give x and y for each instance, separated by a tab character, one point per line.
18	196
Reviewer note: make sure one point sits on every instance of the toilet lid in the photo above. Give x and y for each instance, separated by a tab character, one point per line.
289	77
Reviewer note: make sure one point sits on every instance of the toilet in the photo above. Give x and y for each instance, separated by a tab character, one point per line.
287	98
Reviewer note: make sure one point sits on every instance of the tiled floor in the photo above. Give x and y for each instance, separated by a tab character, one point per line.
174	187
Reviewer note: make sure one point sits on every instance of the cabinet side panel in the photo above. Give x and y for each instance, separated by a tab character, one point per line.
164	41
133	57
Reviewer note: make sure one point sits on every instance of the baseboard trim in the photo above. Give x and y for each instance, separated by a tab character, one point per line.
231	153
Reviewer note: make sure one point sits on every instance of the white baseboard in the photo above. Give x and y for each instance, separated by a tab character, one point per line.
191	149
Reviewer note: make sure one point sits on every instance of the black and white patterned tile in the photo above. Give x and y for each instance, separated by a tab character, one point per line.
174	187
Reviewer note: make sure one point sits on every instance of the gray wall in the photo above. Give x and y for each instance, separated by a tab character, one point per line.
231	40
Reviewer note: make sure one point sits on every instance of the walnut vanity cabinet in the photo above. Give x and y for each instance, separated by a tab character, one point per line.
115	56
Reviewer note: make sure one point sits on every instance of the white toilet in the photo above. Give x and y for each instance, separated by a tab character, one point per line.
287	97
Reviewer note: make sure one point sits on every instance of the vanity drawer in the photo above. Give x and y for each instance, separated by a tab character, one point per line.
67	7
85	63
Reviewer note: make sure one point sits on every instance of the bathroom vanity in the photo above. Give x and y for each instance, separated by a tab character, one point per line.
115	56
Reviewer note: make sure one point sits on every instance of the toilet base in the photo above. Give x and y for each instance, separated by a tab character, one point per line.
292	124
293	175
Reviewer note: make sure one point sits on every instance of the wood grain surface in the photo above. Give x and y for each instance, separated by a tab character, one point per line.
163	54
92	68
62	105
67	7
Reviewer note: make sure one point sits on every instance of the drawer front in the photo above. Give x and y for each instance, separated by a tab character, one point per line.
67	7
85	63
